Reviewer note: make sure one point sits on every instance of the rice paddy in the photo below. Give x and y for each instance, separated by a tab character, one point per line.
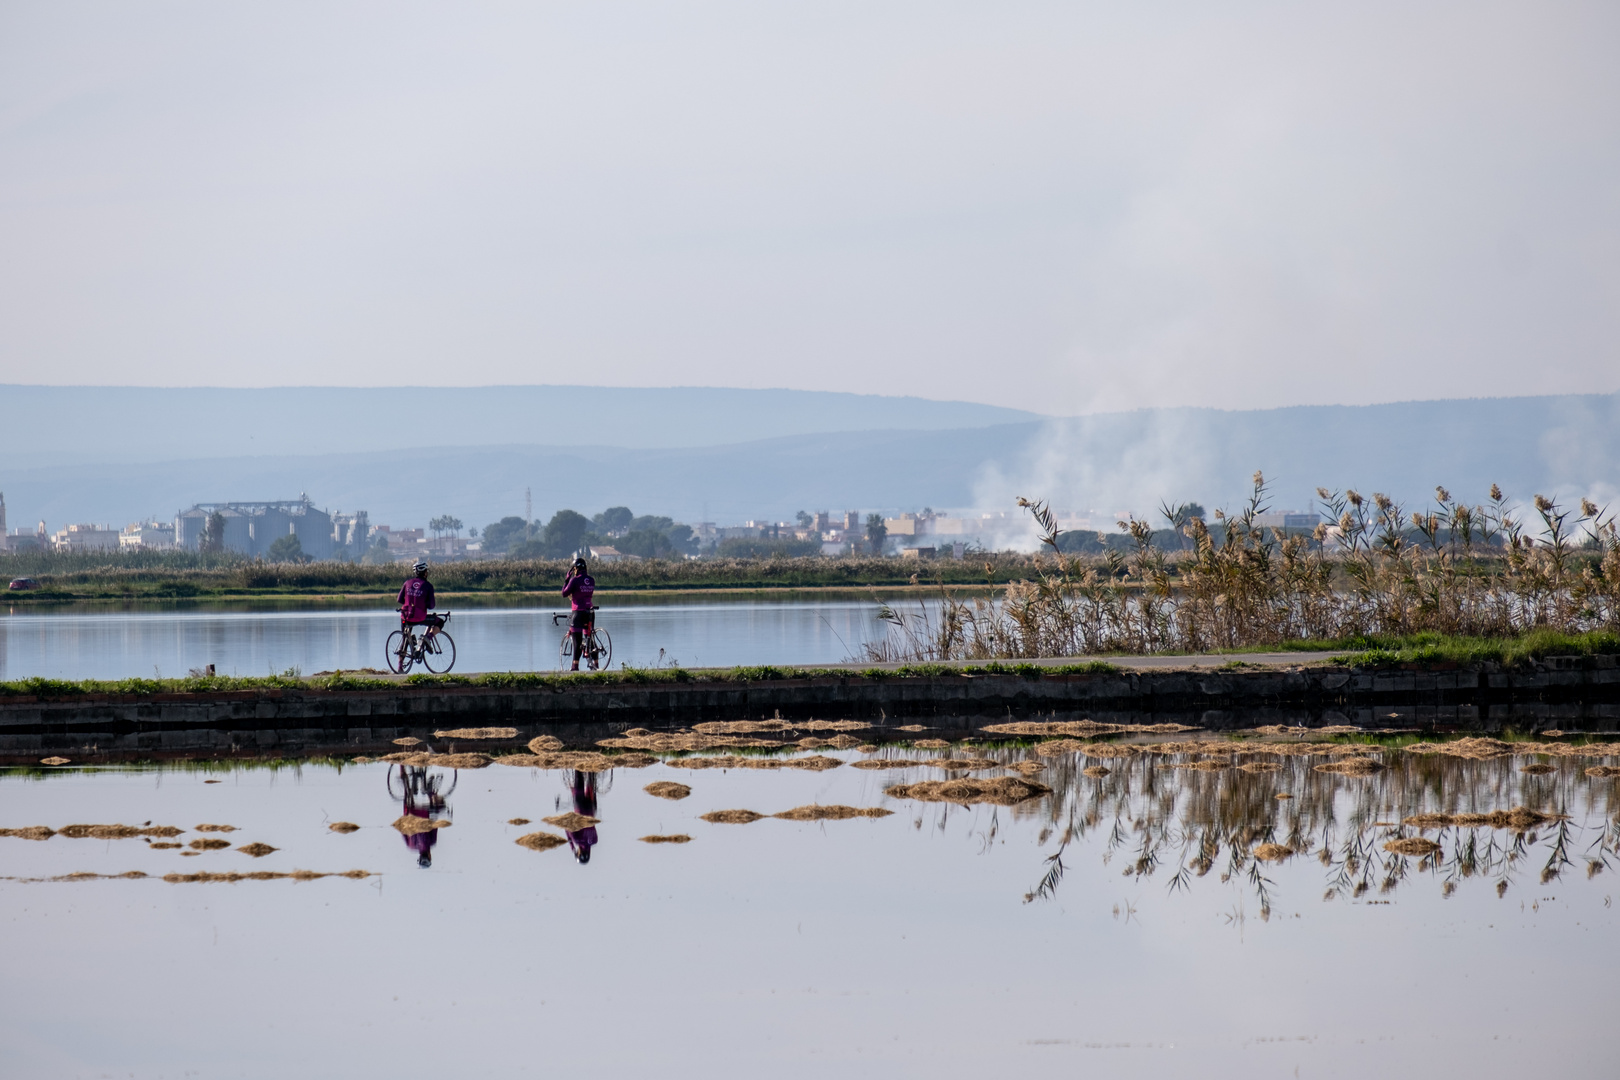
873	878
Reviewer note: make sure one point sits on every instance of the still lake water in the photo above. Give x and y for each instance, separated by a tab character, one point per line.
1115	927
81	643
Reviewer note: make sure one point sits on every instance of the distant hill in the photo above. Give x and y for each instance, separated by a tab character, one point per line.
1566	446
63	425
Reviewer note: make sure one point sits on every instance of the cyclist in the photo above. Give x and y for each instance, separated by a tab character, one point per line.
579	587
415	600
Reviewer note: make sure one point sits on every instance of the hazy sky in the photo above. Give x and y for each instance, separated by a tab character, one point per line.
1065	207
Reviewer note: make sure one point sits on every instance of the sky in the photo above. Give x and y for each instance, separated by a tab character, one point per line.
1065	207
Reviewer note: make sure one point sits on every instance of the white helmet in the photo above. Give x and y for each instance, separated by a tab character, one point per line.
420	567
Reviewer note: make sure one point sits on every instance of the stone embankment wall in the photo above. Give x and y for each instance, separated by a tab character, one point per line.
1580	692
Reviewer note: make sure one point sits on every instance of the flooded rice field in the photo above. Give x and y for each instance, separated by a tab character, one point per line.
90	642
829	898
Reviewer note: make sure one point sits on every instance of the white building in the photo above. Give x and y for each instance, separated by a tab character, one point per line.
86	538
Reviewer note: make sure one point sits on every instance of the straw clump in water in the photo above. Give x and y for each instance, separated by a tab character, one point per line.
581	760
1536	768
675	838
257	850
1004	791
344	827
407	740
518	821
411	825
731	817
1095	771
1273	852
54	761
545	744
571	821
442	761
931	744
216	828
1475	748
477	733
1602	772
1261	766
1520	819
740	727
1357	766
166	845
30	832
1083	728
667	789
1412	845
117	832
539	841
817	812
210	844
816	763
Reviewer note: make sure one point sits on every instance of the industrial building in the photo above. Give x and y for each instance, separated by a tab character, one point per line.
251	527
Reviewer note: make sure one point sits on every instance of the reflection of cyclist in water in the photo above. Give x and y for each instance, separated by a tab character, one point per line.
421	796
584	792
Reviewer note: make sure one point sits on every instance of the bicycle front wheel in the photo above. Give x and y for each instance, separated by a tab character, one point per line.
439	653
601	649
397	653
565	654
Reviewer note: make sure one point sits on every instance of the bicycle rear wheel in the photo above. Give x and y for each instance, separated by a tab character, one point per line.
439	654
601	650
396	654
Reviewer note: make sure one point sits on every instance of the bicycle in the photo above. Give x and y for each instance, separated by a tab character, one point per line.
434	650
598	646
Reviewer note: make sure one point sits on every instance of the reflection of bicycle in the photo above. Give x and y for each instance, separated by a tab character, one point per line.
598	646
434	650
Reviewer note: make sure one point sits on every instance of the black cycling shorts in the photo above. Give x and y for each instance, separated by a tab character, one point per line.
581	620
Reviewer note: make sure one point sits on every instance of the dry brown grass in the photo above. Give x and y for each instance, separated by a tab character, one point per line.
517	821
931	744
257	850
54	761
1603	772
117	832
571	821
1474	748
911	727
407	740
545	744
731	817
1261	766
210	844
262	875
539	841
477	733
1536	768
411	825
344	827
30	832
1273	852
673	838
1003	791
681	742
1520	819
667	789
816	812
833	725
168	845
216	828
1096	772
1412	845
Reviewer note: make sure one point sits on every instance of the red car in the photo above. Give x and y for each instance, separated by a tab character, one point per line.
23	583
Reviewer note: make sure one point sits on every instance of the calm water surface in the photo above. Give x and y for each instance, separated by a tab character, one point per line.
1117	927
74	643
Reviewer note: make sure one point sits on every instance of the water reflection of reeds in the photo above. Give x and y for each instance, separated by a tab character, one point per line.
1160	816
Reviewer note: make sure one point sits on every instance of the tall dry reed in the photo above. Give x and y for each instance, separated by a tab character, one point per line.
1480	570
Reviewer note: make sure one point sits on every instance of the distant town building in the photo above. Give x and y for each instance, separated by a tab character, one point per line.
86	538
608	555
1288	519
147	536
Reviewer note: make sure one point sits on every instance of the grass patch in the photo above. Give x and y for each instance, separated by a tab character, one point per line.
1432	648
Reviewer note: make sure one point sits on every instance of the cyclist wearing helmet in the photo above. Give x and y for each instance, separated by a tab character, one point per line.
579	587
415	600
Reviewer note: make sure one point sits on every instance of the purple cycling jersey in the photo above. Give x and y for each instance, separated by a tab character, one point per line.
415	598
580	589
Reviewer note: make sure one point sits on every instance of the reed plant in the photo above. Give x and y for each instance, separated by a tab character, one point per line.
1478	571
